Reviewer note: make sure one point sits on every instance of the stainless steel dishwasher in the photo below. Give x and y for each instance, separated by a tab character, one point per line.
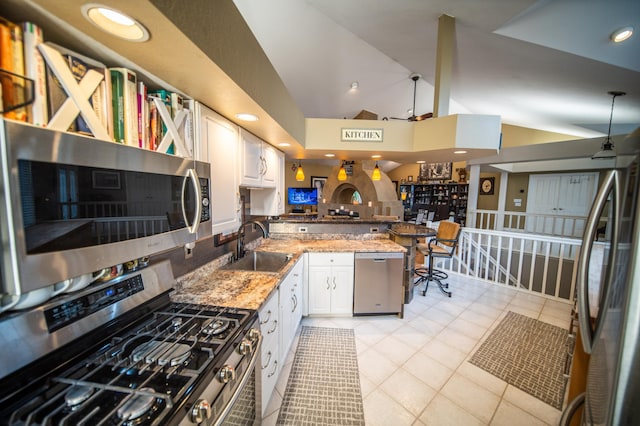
378	283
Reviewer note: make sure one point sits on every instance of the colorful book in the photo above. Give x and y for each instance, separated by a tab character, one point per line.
117	104
17	56
35	69
129	104
165	95
6	63
141	100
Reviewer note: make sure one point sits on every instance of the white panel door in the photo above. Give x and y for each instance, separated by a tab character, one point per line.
557	198
221	140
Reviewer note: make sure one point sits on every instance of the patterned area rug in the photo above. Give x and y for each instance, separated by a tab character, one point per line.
324	383
528	354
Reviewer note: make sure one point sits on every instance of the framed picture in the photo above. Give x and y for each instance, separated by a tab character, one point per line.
487	185
439	171
105	180
410	178
318	182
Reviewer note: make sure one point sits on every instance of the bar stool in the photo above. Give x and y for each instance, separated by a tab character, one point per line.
443	245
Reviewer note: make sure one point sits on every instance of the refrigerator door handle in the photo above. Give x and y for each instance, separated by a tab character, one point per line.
610	185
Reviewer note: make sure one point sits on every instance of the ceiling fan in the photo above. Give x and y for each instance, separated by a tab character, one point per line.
415	77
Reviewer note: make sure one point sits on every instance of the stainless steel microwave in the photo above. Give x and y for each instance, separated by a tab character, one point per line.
72	204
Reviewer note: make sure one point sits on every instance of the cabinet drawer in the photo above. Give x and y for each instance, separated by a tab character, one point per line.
268	316
330	259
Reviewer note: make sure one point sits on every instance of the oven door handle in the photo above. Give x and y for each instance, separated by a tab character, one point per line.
245	378
191	174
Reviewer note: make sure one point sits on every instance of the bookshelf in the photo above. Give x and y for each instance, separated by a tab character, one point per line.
444	199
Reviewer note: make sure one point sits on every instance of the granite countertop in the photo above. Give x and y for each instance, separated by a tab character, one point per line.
208	285
412	230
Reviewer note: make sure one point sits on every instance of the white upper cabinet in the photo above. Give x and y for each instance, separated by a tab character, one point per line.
217	142
262	170
258	162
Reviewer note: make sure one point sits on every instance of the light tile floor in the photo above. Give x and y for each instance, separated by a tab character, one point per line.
415	370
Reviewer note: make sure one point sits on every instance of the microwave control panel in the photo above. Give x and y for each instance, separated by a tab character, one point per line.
204	188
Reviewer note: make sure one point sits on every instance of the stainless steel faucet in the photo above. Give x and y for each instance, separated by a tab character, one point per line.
240	251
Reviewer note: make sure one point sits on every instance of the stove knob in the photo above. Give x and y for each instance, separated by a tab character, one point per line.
226	374
201	411
253	334
245	347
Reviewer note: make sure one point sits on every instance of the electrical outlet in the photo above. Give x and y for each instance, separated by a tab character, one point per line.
303	229
373	230
188	250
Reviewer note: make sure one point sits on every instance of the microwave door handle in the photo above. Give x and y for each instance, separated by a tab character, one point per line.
191	174
583	261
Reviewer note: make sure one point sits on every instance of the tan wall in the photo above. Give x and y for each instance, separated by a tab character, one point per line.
310	169
517	188
490	202
521	136
413	169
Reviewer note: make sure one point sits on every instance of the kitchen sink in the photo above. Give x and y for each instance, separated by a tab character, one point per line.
259	261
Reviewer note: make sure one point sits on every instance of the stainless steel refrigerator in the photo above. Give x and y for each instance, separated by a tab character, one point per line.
608	299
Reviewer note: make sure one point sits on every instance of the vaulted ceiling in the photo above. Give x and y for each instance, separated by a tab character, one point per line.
542	64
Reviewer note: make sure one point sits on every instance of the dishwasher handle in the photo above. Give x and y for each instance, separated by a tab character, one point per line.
378	256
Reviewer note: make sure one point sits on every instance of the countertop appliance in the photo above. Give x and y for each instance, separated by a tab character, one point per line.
73	204
121	353
378	283
608	301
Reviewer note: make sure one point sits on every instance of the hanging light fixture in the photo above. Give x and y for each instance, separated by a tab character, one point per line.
342	173
299	173
376	173
607	146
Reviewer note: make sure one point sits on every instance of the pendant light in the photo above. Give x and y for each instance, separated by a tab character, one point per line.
300	173
607	146
376	173
342	174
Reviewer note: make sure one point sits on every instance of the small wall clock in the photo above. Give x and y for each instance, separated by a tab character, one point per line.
487	185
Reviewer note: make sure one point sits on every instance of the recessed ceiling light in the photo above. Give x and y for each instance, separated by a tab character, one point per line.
376	156
622	34
330	155
421	161
244	116
115	22
460	152
354	85
284	144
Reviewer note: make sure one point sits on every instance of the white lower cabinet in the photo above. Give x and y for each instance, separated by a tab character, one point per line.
330	283
270	363
279	320
290	307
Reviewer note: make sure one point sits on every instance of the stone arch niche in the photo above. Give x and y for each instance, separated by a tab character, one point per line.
378	197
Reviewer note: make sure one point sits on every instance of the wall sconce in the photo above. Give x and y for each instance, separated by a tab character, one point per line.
299	173
376	173
342	173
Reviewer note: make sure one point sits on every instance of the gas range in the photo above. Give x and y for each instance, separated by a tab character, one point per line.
148	363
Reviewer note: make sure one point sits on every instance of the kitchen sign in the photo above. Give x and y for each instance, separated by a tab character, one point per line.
361	135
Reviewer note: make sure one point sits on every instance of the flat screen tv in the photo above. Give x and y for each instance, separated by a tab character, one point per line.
302	196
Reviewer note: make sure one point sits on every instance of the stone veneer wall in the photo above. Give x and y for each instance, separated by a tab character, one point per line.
378	197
